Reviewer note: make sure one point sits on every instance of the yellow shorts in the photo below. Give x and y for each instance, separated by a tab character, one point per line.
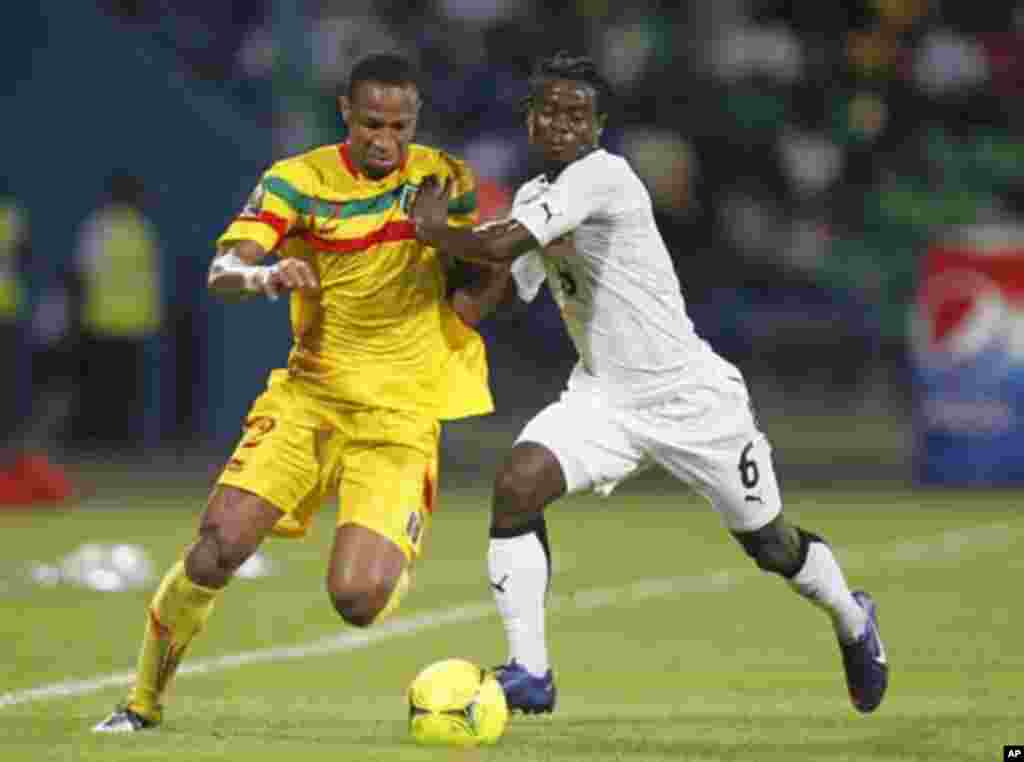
297	451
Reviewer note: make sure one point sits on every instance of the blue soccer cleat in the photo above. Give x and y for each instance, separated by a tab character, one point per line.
525	692
867	669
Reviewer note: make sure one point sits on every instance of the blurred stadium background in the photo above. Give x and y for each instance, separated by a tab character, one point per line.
840	184
804	158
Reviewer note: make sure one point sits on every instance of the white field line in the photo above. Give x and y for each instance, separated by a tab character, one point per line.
946	544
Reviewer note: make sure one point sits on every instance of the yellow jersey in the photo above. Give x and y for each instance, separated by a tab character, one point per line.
380	332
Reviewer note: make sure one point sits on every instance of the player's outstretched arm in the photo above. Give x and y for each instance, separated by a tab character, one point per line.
236	273
495	243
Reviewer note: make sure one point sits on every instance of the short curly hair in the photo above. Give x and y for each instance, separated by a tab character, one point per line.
564	66
386	68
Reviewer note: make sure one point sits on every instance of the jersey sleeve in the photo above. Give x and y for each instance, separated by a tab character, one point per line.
275	207
463	208
584	189
529	274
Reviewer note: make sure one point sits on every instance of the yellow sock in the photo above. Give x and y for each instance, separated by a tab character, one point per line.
176	614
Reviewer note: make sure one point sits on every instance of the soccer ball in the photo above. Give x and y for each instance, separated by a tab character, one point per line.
456	703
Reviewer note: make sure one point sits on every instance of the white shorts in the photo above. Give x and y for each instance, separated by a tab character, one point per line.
706	437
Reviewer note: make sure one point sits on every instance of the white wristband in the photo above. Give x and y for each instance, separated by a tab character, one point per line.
255	278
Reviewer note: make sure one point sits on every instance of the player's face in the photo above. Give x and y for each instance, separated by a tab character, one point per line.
381	121
563	122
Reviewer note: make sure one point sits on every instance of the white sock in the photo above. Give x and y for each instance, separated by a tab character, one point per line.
518	568
821	581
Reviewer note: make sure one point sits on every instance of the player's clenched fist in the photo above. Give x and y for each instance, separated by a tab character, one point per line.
234	274
290	274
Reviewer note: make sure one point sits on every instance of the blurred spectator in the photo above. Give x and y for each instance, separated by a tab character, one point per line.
53	338
666	163
874	53
769	51
811	161
901	15
499	156
343	32
27	476
629	41
14	253
1004	51
948	62
117	264
206	36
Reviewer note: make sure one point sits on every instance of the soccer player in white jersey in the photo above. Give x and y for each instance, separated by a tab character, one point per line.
646	390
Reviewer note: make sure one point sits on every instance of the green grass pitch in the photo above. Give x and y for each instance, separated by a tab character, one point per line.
667	643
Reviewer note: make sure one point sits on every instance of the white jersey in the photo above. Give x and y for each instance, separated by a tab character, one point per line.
618	292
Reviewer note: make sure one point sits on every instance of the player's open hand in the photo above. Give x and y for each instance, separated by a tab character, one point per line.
430	207
290	274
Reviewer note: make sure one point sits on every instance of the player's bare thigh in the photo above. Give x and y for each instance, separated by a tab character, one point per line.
364	570
233	526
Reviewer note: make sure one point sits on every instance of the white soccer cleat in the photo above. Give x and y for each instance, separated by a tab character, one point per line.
124	720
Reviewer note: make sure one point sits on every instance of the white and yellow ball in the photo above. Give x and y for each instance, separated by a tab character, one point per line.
456	703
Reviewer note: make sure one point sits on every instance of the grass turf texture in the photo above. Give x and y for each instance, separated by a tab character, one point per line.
667	643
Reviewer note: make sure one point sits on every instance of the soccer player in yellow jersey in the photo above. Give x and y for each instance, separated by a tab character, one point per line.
381	355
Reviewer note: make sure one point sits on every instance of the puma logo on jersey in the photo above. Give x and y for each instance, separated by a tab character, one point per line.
500	584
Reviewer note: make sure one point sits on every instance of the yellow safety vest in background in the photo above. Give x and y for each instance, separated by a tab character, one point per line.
122	294
12	296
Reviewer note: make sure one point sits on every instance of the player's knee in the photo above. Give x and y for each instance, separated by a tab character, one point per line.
355	608
526	483
513	493
214	558
774	547
361	604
